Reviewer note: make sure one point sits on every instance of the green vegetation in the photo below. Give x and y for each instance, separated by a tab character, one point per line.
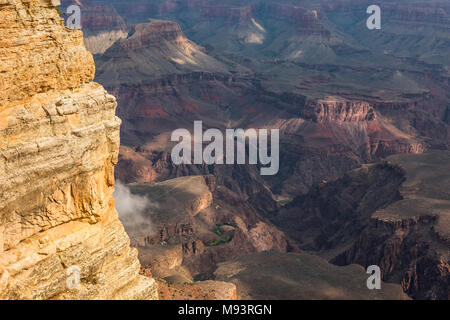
222	238
284	202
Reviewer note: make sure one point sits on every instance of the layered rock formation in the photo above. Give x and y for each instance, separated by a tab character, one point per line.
59	141
101	24
341	95
394	214
153	50
410	238
195	225
329	121
207	243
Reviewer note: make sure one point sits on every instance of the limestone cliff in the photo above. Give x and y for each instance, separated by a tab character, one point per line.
59	141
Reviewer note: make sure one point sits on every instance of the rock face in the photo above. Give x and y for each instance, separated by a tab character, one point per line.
101	24
329	122
196	224
153	50
334	213
410	239
394	214
59	141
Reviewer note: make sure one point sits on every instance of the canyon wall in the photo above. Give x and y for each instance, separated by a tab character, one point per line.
101	24
394	214
59	142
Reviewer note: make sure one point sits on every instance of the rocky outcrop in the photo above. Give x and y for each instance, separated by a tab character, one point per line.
101	24
339	110
333	214
154	33
153	50
197	224
308	21
394	214
59	62
59	142
409	239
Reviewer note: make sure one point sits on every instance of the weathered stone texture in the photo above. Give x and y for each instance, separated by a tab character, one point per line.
59	142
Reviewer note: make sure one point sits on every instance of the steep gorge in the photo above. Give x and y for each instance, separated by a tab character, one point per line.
394	214
164	81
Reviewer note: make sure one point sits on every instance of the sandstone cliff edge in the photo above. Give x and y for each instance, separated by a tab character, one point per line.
59	142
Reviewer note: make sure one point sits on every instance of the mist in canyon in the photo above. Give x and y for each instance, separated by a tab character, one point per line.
132	209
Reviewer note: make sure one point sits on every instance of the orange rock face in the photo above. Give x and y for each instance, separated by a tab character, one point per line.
37	53
59	142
